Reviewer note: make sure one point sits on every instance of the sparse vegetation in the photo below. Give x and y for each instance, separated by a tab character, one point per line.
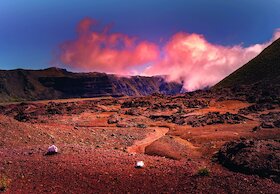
203	172
4	183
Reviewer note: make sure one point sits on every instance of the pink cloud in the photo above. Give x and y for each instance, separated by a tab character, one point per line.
192	59
106	52
185	57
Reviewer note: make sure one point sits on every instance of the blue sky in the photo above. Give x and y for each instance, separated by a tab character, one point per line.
30	30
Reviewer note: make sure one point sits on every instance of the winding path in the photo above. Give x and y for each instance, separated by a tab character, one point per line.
140	145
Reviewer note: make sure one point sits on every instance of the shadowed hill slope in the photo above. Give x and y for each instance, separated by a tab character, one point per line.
263	69
53	83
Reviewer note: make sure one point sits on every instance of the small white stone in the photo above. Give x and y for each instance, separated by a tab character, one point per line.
52	149
139	164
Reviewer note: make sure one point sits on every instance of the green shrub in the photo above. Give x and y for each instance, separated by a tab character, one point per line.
4	183
203	172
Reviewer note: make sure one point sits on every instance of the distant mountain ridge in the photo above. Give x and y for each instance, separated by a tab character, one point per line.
55	83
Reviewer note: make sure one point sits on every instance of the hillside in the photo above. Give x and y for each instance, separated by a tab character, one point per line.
53	83
263	69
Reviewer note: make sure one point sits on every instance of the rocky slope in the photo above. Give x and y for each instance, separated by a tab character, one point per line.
263	69
257	81
53	83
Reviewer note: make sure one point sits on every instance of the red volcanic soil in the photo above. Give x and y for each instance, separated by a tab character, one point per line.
99	141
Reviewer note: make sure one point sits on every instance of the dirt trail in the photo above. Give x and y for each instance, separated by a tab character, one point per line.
140	145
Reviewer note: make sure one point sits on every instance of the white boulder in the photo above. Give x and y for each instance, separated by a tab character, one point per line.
139	164
52	149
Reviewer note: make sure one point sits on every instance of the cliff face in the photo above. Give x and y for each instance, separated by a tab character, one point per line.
54	83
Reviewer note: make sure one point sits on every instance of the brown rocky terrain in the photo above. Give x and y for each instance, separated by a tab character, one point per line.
100	140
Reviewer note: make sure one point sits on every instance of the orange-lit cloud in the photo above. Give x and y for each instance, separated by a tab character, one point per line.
106	52
185	57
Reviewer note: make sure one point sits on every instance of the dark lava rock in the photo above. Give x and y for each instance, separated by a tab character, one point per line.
259	157
271	116
270	120
257	128
256	108
196	103
162	106
141	125
133	112
24	117
2	108
135	104
53	108
277	123
23	112
267	125
200	120
179	119
161	117
30	111
108	102
210	118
